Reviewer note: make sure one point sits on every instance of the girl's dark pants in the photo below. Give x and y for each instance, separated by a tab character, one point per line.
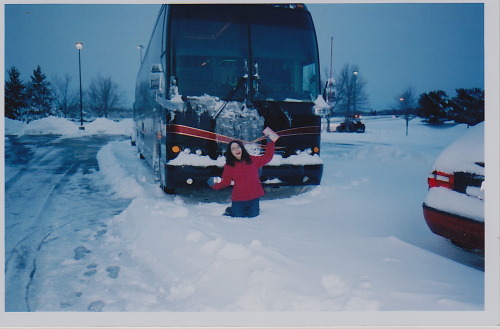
248	208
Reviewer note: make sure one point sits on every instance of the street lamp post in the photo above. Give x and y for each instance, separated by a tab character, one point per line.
355	73
79	46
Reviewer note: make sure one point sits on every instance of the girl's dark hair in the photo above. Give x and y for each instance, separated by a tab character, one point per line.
231	160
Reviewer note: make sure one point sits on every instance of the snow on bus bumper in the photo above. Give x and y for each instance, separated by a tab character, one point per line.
455	216
189	169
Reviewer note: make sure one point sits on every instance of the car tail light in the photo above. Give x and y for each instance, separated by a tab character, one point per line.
441	179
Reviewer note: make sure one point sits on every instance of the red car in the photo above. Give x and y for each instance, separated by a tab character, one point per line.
454	206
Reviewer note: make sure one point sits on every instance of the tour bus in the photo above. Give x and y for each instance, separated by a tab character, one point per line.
213	73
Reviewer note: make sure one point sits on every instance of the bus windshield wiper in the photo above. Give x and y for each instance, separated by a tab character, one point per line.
229	97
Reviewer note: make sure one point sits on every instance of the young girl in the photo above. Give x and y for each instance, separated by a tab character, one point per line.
243	169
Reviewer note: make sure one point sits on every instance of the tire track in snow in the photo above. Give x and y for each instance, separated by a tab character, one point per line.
23	252
41	199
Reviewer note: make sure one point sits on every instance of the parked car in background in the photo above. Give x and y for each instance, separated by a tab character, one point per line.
454	205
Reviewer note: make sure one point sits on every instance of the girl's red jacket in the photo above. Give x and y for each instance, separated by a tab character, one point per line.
245	176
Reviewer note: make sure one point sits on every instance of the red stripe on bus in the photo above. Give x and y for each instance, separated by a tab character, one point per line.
205	134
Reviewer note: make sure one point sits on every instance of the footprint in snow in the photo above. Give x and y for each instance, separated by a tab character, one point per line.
100	233
81	252
90	273
65	304
113	271
96	306
92	270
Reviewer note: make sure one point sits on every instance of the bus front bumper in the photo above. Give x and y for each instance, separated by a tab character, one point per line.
285	175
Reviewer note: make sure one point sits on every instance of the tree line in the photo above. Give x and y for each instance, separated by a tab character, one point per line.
39	97
347	96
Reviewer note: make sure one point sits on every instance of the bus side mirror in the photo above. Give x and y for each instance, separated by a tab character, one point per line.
156	77
321	107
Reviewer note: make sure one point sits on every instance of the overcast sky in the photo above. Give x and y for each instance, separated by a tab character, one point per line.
426	46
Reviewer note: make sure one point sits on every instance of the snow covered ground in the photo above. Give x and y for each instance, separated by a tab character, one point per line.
358	242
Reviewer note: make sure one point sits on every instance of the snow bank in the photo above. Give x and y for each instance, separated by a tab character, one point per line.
125	185
13	127
106	126
61	126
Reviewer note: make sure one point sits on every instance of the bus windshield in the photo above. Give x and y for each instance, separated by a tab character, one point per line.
214	47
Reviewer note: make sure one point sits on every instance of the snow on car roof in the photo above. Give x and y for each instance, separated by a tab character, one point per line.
463	154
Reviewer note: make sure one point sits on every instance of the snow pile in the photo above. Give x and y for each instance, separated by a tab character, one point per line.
60	126
106	126
13	127
49	125
116	174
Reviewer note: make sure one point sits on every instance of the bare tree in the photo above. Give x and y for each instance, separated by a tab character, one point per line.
407	105
66	102
104	95
350	86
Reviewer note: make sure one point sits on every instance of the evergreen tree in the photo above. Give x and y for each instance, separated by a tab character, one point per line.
434	107
468	106
40	97
15	94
